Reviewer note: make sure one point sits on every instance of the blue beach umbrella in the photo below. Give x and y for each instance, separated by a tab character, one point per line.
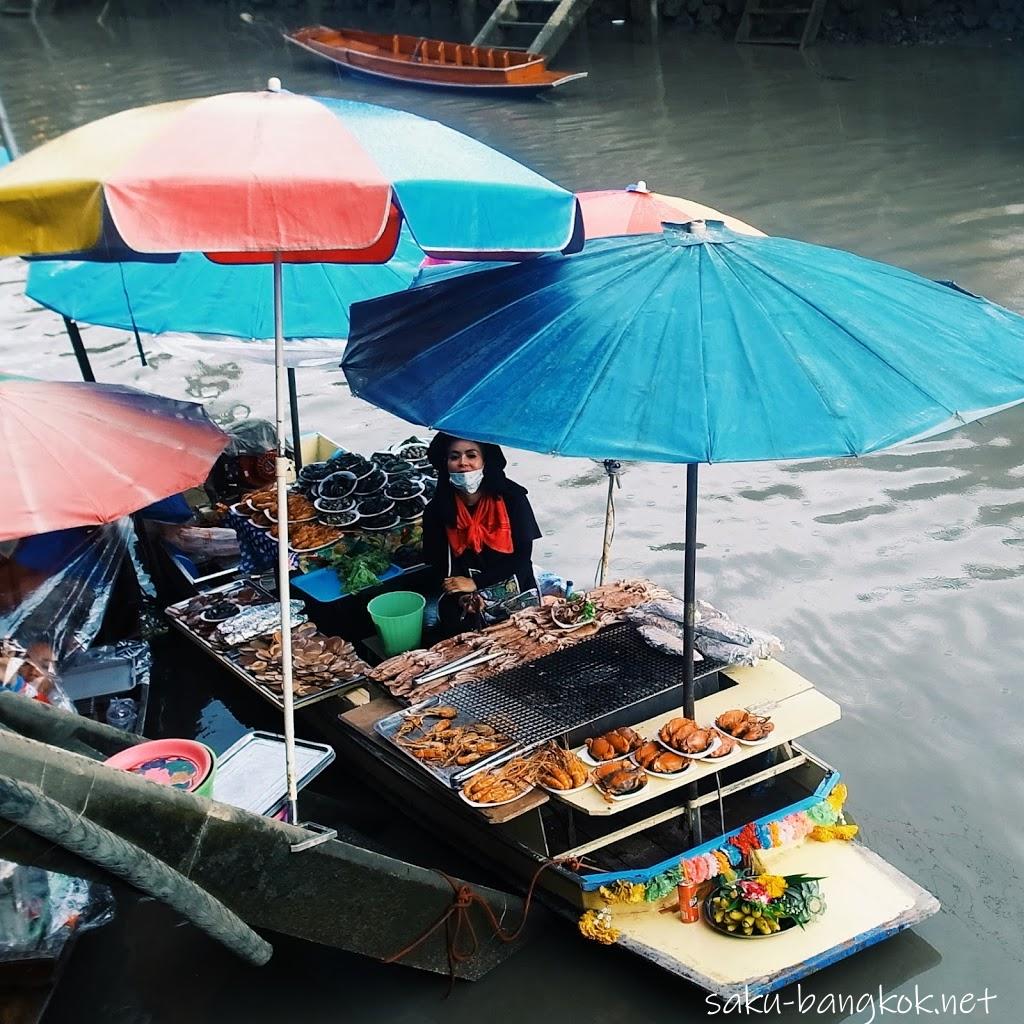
698	345
194	295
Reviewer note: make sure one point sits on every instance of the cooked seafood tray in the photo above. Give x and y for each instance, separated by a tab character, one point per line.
616	678
446	742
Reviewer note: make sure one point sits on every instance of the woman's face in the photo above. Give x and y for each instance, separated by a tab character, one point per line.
464	457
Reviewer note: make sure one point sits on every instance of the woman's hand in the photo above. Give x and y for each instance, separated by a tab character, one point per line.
458	585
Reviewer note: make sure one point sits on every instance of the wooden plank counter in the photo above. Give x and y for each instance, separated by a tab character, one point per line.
795	706
793	703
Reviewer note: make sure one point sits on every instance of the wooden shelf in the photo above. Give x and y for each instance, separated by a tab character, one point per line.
798	708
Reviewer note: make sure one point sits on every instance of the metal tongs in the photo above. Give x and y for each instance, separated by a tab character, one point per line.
452	667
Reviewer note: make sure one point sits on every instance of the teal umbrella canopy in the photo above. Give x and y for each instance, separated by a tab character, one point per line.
196	296
696	345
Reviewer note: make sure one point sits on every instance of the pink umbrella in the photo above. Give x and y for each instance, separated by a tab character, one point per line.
77	454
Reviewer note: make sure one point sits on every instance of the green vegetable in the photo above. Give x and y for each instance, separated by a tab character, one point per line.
362	569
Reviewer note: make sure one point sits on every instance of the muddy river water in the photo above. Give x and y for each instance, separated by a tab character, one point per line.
895	580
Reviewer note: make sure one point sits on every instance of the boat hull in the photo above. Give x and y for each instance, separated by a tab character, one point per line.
519	846
336	893
529	77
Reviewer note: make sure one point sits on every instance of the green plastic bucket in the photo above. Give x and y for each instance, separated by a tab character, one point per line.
398	617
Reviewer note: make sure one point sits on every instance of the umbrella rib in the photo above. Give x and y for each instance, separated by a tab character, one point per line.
500	364
611	351
857	341
818	390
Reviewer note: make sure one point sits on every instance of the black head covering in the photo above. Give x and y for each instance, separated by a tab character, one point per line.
494	482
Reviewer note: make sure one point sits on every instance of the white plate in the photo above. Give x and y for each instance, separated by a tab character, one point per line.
702	756
574	625
500	803
662	775
241	508
626	796
565	792
584	756
748	743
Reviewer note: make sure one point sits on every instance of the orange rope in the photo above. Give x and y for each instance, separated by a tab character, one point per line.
464	898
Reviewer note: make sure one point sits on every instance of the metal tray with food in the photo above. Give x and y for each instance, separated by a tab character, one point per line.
323	666
445	742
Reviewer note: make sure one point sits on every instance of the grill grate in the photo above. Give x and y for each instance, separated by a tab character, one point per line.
543	699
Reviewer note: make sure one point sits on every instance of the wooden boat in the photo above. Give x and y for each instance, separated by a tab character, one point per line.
868	899
431	62
338	893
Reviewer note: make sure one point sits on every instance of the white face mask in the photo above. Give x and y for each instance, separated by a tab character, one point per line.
468	483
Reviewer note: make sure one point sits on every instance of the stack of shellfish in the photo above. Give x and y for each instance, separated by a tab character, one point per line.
318	662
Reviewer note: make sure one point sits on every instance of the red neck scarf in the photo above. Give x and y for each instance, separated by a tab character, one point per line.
485	525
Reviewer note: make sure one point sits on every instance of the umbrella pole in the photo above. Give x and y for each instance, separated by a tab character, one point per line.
689	587
293	404
75	335
283	582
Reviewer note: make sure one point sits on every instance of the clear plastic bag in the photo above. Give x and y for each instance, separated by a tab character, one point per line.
40	909
32	677
715	634
251	437
54	589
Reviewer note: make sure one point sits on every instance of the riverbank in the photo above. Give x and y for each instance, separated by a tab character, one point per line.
986	23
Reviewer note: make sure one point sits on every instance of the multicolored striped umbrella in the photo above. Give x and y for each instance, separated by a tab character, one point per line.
276	177
264	172
77	454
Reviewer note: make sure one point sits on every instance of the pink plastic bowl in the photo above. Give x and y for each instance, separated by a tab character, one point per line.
183	764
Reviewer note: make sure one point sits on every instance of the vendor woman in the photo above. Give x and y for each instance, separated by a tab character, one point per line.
478	529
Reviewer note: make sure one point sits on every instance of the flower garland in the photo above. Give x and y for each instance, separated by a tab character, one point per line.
597	925
822	822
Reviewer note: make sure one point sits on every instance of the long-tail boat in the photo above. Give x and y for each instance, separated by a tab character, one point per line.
431	62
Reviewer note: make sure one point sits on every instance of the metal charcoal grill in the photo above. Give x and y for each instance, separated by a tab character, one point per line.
614	679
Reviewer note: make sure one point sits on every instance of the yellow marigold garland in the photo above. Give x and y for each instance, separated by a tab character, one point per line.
597	925
726	868
826	833
775	885
622	892
837	797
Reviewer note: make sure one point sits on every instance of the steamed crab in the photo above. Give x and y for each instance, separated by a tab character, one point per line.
619	778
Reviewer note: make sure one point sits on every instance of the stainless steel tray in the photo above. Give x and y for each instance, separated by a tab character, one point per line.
264	691
251	772
455	774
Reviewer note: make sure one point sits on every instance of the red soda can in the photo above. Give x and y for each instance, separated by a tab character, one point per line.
689	906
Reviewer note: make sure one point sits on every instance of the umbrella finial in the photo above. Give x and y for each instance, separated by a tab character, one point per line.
274	84
695	232
639	186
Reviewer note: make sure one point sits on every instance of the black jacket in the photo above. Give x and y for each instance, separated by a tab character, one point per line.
488	567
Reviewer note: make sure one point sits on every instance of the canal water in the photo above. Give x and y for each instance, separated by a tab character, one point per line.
895	580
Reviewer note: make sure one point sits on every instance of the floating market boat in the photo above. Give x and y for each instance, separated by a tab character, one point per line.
431	62
616	863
